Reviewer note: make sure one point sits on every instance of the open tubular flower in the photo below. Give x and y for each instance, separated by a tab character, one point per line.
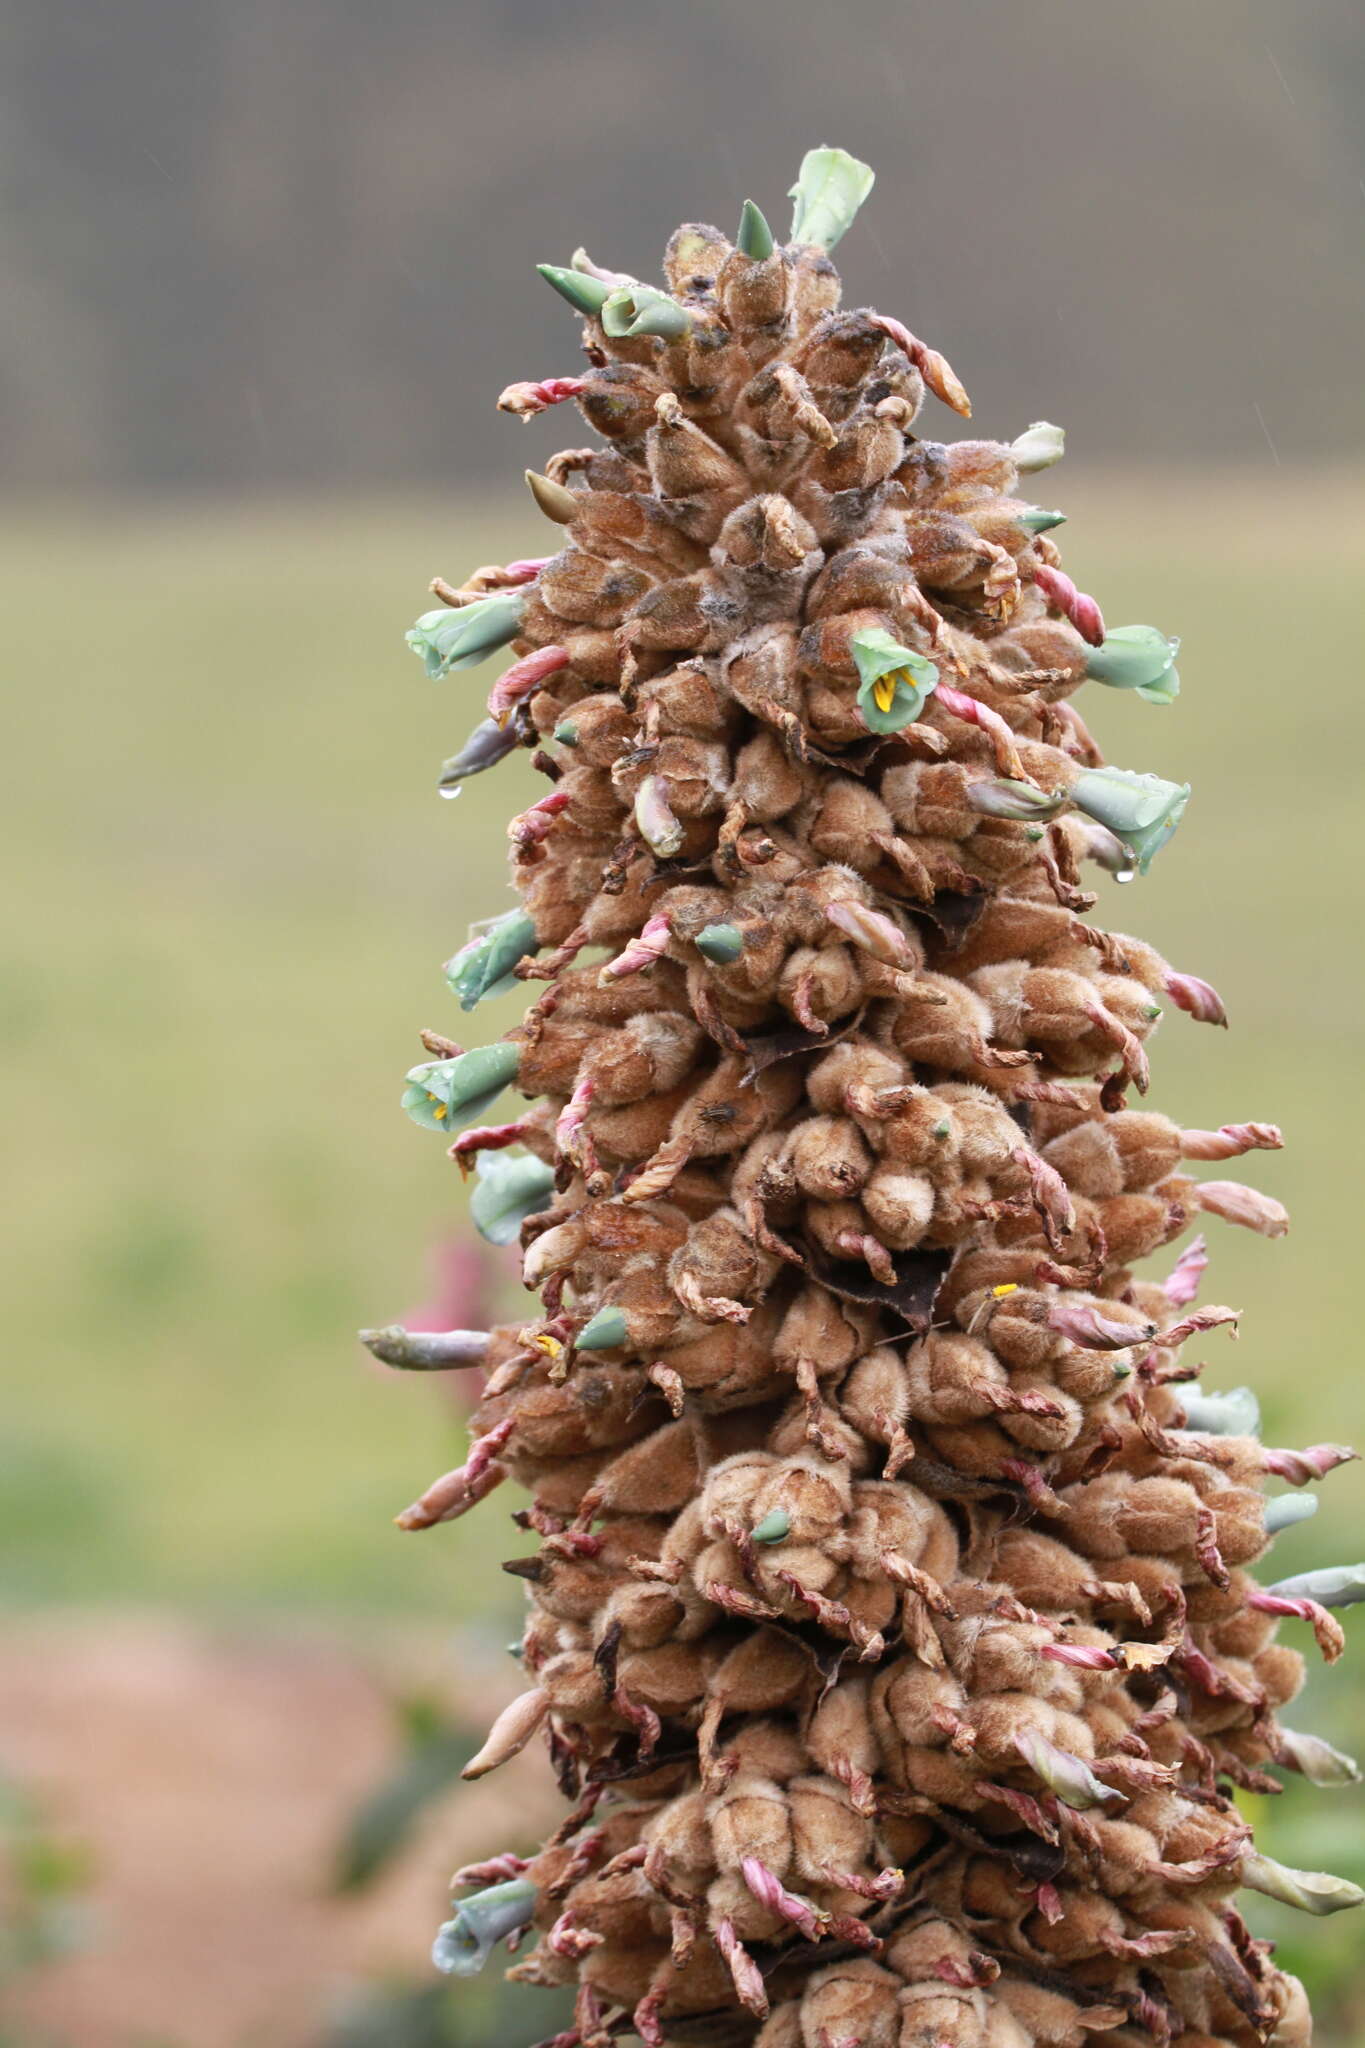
898	1619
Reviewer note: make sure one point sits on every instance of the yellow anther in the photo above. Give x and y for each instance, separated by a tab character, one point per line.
540	1340
440	1108
884	691
1007	1287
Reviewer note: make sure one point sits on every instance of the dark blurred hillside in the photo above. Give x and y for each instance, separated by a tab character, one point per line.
248	243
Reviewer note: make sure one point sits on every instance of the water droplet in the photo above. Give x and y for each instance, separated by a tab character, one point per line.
455	789
1125	874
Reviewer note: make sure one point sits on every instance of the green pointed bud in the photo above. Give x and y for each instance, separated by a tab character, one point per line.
721	944
775	1527
999	797
440	1094
463	635
510	1187
465	1943
585	294
1038	447
1312	1891
1037	519
566	734
1234	1413
1140	658
1288	1508
895	683
1123	1369
1142	811
488	744
755	237
554	500
425	1350
604	1331
832	185
1336	1585
1070	1777
1317	1760
484	966
942	1130
635	309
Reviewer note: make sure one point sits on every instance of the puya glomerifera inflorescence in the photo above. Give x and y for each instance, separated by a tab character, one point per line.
897	1624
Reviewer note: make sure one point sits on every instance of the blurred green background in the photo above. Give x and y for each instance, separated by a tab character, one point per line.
263	290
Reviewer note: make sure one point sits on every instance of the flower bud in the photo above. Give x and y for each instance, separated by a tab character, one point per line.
1038	447
488	744
1003	798
442	1093
721	944
774	1528
461	636
830	188
510	1187
465	1942
484	966
425	1350
1037	519
895	682
604	1331
1140	810
1137	658
755	237
554	500
585	294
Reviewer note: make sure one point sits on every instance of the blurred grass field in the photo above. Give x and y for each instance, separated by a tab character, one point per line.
232	886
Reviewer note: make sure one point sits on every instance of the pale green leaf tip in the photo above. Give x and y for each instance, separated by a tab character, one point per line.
828	192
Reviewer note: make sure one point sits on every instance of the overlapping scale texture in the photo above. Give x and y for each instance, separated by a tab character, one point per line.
897	1640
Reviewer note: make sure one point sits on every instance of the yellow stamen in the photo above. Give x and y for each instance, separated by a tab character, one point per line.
540	1340
884	690
439	1108
1009	1287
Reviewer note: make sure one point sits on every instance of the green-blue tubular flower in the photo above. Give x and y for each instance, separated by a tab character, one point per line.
587	295
484	966
1142	811
1234	1412
895	683
466	1941
1140	658
635	309
829	189
461	636
511	1186
440	1094
774	1528
1288	1508
1334	1585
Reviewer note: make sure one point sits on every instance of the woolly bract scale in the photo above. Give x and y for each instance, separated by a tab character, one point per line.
893	1626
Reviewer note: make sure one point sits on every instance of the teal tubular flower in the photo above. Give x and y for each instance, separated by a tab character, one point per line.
895	682
829	189
511	1186
1140	658
1142	811
484	966
440	1094
463	635
466	1941
635	309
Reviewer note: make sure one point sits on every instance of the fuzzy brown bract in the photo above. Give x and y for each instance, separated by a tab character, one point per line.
897	1616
